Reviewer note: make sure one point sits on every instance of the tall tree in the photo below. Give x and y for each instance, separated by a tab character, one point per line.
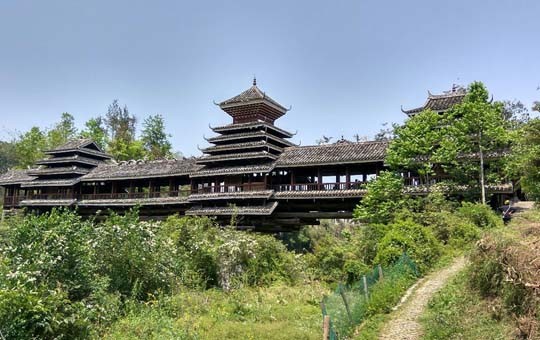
475	128
121	129
62	131
120	123
155	139
30	146
416	143
94	129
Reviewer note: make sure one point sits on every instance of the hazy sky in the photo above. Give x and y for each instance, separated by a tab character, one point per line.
346	67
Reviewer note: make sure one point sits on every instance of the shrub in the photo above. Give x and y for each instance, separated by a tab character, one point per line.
413	239
135	255
450	228
479	214
40	313
53	249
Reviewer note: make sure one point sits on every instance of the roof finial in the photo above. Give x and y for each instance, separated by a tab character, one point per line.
254	80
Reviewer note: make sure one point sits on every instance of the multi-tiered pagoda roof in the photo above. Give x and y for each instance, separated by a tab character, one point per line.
66	164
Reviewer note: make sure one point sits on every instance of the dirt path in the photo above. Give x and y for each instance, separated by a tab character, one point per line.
404	323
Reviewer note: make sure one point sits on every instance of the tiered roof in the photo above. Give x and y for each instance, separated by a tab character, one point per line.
252	105
66	164
252	138
440	102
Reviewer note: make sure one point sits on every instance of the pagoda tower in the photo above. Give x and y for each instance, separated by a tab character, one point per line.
238	164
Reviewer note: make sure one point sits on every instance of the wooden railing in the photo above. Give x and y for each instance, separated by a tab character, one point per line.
319	186
135	195
229	188
13	201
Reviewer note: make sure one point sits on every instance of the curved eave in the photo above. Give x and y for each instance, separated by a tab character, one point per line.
248	126
235	157
224	106
249	135
241	146
98	154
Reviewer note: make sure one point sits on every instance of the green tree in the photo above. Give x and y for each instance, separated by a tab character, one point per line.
8	156
121	130
30	146
62	131
95	130
474	129
123	150
120	123
525	158
155	139
384	198
416	144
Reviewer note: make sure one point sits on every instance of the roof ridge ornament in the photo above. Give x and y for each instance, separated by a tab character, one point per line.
254	80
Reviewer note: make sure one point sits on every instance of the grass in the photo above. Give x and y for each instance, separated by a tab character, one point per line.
458	312
277	312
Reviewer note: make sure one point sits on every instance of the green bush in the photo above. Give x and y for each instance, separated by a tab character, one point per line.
408	237
479	214
136	256
449	228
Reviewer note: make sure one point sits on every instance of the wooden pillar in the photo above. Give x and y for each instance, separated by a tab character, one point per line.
364	178
150	188
95	188
293	179
319	178
347	178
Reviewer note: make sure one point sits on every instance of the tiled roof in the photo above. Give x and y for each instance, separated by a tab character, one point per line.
352	193
332	154
68	159
248	135
241	146
266	209
64	170
441	102
142	169
15	177
251	125
253	94
262	194
233	170
235	156
81	145
50	183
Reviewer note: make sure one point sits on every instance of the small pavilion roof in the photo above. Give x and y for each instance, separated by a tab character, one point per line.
337	153
252	95
440	102
84	145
